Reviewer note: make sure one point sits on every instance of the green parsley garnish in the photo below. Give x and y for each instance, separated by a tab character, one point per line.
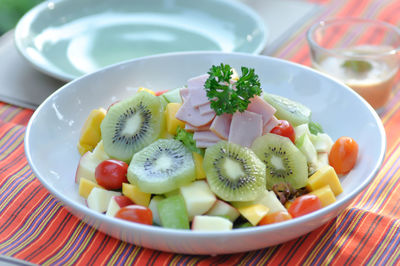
228	96
358	66
187	139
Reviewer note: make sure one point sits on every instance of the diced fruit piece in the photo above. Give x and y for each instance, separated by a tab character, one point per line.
135	194
99	199
325	195
132	124
221	208
307	148
136	214
211	223
325	176
304	204
275	217
159	93
343	155
173	96
86	186
283	161
116	203
252	212
90	132
110	174
286	109
269	199
147	90
285	129
234	173
173	213
322	142
89	161
198	164
153	206
172	123
198	198
162	166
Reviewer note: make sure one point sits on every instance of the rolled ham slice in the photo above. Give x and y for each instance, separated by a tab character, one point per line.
259	106
245	128
221	125
189	114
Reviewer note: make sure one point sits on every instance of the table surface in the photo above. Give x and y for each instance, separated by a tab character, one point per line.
35	228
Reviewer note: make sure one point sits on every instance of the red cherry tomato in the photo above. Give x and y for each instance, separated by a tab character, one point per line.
275	217
110	174
285	129
304	204
136	213
343	155
158	93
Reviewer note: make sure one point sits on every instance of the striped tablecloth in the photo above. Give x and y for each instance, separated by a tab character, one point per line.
34	227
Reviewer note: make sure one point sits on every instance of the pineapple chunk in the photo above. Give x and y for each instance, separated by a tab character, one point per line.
198	164
172	122
325	195
86	186
253	213
325	176
147	90
90	134
137	196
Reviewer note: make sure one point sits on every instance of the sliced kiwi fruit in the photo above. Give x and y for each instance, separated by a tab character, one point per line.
284	162
289	110
132	124
234	173
161	167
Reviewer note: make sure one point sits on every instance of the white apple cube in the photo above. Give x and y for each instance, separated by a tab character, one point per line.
89	161
116	203
99	199
154	209
269	199
221	208
211	223
198	198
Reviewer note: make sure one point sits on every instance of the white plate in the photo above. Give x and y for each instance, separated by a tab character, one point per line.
53	133
66	39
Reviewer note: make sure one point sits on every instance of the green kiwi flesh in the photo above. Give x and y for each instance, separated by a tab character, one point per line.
284	162
132	124
161	167
289	110
234	173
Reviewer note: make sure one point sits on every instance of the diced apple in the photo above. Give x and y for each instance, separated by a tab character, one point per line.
89	161
322	142
135	194
171	121
116	203
153	206
211	223
173	212
269	199
307	148
99	199
198	164
252	212
173	96
198	198
221	208
325	195
90	132
325	176
86	186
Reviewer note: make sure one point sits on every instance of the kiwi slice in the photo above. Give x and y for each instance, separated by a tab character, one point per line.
162	167
289	110
284	162
234	173
132	124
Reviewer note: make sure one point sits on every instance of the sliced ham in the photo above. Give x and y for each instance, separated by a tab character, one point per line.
206	136
205	108
189	127
197	82
204	144
221	125
273	122
184	93
189	114
259	106
197	92
245	128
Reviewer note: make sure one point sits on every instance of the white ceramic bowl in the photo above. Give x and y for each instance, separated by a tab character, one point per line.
54	129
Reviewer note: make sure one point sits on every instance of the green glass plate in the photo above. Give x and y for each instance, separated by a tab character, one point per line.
69	38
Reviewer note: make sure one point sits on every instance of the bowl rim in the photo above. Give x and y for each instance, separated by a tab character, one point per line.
187	234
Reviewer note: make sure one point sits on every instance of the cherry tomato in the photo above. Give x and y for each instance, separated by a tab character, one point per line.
158	93
285	129
304	204
275	217
136	213
110	174
343	155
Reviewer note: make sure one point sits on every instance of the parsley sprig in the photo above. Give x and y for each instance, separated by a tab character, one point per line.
228	96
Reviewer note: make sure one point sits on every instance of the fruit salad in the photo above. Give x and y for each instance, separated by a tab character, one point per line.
215	155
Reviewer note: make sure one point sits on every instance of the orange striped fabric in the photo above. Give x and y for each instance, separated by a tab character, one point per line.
35	227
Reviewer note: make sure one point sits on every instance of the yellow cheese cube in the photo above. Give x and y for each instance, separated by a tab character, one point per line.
253	213
198	164
86	186
147	90
136	195
171	121
325	176
325	195
90	133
